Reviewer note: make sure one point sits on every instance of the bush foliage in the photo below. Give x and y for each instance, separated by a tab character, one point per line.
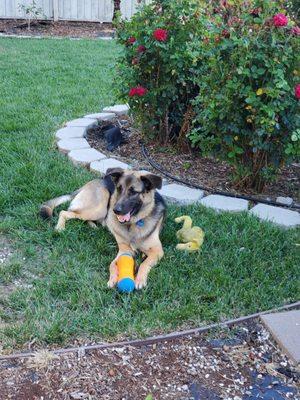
222	76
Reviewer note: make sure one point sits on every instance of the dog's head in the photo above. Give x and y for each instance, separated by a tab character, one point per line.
134	192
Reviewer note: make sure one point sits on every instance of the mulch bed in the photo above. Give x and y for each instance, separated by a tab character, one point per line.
59	28
241	363
191	166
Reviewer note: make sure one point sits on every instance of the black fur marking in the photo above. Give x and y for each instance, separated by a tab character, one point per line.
108	184
114	173
45	213
151	181
128	181
158	199
158	212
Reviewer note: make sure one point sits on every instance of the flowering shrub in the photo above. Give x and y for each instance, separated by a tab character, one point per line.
159	60
247	109
224	74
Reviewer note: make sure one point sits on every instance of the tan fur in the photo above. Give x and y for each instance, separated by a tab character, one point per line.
91	203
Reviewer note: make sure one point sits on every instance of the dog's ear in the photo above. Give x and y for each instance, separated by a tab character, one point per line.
114	173
151	181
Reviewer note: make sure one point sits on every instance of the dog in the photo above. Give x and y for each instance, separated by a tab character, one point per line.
128	204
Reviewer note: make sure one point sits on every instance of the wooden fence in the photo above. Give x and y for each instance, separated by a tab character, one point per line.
70	10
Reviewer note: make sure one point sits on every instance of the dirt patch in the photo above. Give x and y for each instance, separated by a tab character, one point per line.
5	250
190	166
241	363
59	28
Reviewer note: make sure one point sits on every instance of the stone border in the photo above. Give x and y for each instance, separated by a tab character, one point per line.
71	141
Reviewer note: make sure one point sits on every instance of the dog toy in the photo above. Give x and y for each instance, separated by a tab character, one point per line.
125	265
192	237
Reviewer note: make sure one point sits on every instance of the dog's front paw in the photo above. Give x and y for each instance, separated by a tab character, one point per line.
112	281
140	281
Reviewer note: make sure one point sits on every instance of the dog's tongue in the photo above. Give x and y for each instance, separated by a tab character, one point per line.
124	218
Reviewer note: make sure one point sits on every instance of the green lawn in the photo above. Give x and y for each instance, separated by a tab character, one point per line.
61	293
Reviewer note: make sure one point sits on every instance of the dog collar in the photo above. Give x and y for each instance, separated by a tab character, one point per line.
140	223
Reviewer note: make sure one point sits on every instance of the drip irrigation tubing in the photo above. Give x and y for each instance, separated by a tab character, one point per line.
155	339
159	168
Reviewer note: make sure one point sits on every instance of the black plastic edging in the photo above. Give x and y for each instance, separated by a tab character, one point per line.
155	339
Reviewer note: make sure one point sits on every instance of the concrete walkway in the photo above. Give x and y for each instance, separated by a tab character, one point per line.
285	328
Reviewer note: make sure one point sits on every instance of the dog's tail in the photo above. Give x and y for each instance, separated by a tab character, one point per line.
46	210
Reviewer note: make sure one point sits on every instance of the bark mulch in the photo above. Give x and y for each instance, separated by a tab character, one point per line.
241	363
59	28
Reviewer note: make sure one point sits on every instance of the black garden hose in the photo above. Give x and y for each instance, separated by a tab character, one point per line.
159	168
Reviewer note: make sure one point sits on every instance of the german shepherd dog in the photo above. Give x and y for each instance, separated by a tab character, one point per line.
128	204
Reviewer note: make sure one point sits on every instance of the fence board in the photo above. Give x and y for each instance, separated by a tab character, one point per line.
88	10
2	8
80	10
75	10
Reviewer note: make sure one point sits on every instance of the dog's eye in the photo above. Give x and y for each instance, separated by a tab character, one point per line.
132	192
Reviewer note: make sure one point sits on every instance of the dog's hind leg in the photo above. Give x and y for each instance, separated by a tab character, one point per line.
63	217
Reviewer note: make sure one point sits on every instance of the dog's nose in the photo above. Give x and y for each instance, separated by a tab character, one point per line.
118	209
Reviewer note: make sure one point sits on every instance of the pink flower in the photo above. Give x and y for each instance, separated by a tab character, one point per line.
280	20
141	91
132	92
141	49
131	40
297	91
234	21
137	91
295	31
160	35
255	12
225	33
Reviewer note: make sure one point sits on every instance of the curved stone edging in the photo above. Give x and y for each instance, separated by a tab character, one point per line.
71	141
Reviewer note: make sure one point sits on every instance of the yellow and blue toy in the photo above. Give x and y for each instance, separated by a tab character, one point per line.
125	265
